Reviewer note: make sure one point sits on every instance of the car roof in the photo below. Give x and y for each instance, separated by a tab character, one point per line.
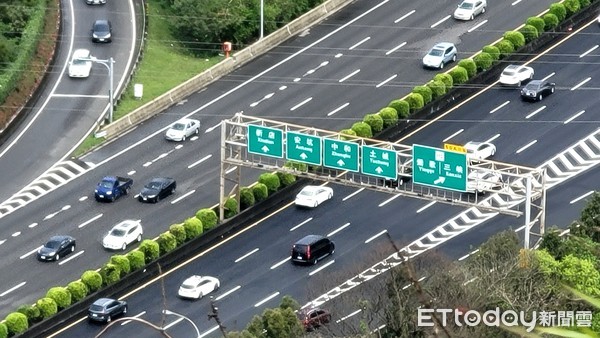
472	144
443	45
309	239
311	187
103	301
102	22
184	121
161	179
512	67
81	53
59	238
126	224
194	278
535	82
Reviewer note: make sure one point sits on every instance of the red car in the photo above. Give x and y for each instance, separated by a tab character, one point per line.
313	318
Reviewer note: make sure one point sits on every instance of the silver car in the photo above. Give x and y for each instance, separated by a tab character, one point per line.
441	54
469	9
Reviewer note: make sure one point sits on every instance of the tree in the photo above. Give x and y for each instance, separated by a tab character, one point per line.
581	274
589	221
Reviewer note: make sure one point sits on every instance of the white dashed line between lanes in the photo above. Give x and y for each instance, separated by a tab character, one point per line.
338	229
405	16
89	221
535	112
439	22
199	161
278	264
12	289
301	224
183	196
426	206
477	26
526	146
451	136
581	83
574	117
72	257
338	109
582	197
31	252
349	76
395	48
588	51
386	81
228	293
321	267
499	107
352	194
246	255
377	235
360	42
267	299
301	104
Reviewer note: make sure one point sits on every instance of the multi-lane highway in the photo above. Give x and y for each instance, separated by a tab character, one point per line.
67	108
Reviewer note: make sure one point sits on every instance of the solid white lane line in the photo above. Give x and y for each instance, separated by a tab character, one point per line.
267	299
388	200
12	289
321	267
349	76
477	26
338	229
535	112
173	323
348	316
213	329
352	194
183	196
588	51
246	255
360	42
280	263
493	138
228	292
71	257
89	221
426	206
377	235
386	81
395	48
301	224
439	22
527	146
405	16
31	252
80	95
451	136
499	107
549	76
582	197
338	109
574	117
581	83
199	161
136	316
300	104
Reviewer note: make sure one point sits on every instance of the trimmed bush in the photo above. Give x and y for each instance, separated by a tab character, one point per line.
505	47
389	116
536	22
551	21
110	273
415	101
459	75
31	312
61	296
438	88
122	262
178	231
296	165
425	92
493	51
470	66
446	79
559	10
193	228
529	32
246	198
136	259
402	108
92	280
47	307
483	61
78	291
231	206
166	242
270	180
516	38
572	6
150	248
362	129
16	323
260	192
3	330
209	217
375	122
584	3
285	179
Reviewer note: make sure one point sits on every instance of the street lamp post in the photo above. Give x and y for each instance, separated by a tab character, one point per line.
262	18
109	65
168	312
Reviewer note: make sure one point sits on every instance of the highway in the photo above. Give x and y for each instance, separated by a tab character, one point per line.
67	109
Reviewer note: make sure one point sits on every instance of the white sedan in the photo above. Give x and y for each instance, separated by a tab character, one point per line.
477	151
196	287
469	9
80	64
313	195
514	75
122	235
182	129
478	182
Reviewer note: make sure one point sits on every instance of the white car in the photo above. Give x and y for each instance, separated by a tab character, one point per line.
122	235
477	151
197	287
514	75
478	182
441	54
469	9
78	67
313	195
182	129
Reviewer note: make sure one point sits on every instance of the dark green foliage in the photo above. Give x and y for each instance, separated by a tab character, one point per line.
553	243
505	47
584	3
178	231
246	198
572	6
78	291
110	273
122	262
208	217
166	242
287	302
516	38
61	296
285	178
536	22
402	107
362	129
3	330
92	280
551	21
415	101
389	116
303	167
589	221
459	75
425	93
136	259
374	121
501	247
559	10
275	323
493	51
470	66
270	180
193	228
529	32
47	307
446	79
16	323
438	88
231	206
260	192
483	61
150	249
31	312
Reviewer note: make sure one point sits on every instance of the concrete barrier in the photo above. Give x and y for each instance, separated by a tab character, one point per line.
224	67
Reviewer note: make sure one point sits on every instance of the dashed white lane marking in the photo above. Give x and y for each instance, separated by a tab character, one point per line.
228	293
405	16
360	42
267	299
377	235
301	104
499	107
278	264
246	255
451	136
582	197
477	26
574	117
301	224
352	194
526	146
183	196
338	229
349	76
588	51
338	109
12	289
439	22
72	257
321	267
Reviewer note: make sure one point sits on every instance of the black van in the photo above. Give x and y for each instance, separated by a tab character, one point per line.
311	249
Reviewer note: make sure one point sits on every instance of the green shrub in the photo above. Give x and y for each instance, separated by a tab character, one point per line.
209	218
402	108
493	51
47	307
3	330
389	116
483	61
270	180
374	121
529	32
231	207
193	228
110	273
78	291
572	6
92	280
559	10
31	312
260	192
286	179
551	21
178	231
446	79
470	66
16	323
459	75
150	249
136	259
425	93
584	3
516	38
122	262
296	165
415	101
362	129
438	88
348	132
166	242
536	22
247	198
505	47
61	296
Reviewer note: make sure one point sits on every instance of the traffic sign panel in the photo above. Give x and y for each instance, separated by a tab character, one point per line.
303	148
379	162
340	154
265	141
439	168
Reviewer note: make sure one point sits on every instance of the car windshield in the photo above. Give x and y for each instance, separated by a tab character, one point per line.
188	286
153	185
101	28
106	184
307	192
117	232
178	126
436	52
466	5
53	244
532	86
79	62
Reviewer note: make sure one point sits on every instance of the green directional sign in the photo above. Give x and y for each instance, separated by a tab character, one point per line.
340	154
379	162
265	141
439	168
303	148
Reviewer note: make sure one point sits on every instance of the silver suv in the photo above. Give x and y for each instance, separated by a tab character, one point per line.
441	54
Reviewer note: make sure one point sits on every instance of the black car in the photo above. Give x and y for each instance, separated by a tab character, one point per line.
535	90
158	188
56	247
311	249
102	31
105	309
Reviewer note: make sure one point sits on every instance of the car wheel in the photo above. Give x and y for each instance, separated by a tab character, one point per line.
73	248
57	256
200	295
216	287
124	246
551	90
112	198
454	58
472	17
483	10
157	199
441	66
108	319
172	190
139	238
197	131
183	138
519	84
127	190
315	261
329	196
125	310
316	204
540	97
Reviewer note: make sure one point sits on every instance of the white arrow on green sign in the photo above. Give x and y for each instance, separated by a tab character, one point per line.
340	154
265	141
379	162
303	148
